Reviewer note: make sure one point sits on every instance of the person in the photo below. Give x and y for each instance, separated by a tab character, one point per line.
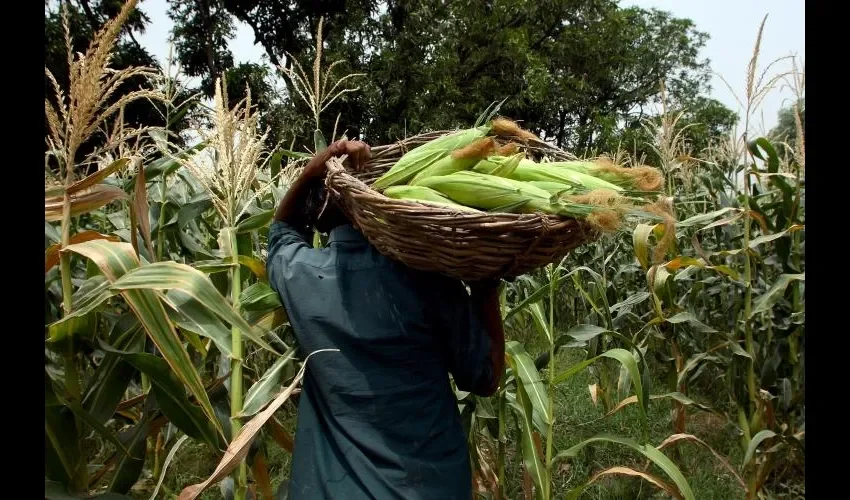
377	416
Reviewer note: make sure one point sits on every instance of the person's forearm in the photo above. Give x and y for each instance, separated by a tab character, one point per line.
486	303
291	206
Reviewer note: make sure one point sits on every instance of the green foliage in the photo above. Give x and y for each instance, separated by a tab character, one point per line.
619	354
572	69
201	31
785	131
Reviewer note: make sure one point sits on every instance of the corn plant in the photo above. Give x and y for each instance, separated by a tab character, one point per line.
122	313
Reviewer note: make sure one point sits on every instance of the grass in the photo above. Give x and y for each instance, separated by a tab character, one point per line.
577	420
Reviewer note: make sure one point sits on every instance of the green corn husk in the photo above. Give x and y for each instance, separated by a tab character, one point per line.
460	159
444	166
634	178
487	192
499	166
426	155
532	171
422	194
556	188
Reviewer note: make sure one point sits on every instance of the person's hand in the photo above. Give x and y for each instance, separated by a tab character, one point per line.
358	154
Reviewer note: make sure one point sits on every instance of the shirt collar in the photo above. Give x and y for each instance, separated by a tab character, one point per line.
346	234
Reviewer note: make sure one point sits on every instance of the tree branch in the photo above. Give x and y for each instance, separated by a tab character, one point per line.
90	15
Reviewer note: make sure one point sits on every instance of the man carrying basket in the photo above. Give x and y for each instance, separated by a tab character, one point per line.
377	418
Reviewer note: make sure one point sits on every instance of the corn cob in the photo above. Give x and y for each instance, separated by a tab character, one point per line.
422	194
635	178
555	188
488	192
532	171
460	159
499	166
426	155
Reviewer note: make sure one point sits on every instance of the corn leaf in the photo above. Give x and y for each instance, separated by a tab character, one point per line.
257	267
129	467
262	307
170	395
239	446
264	390
168	164
61	442
113	374
700	218
98	176
115	260
171	275
259	297
192	210
675	438
83	201
82	324
758	439
534	297
530	457
689	318
658	458
539	319
524	369
171	453
51	255
255	222
766	301
191	315
575	493
628	361
142	210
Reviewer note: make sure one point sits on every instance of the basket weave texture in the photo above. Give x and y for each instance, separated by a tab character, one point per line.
464	245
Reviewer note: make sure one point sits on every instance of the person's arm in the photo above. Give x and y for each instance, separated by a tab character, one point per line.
289	233
485	304
473	336
290	208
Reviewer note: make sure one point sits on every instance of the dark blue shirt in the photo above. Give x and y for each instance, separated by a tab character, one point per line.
378	419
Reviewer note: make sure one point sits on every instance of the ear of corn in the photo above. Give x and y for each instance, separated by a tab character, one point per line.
444	166
422	194
532	171
426	155
499	166
460	159
488	192
635	178
555	188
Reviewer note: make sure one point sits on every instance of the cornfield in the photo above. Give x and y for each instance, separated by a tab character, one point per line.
667	357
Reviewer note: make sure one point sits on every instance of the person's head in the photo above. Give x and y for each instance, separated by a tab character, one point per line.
322	210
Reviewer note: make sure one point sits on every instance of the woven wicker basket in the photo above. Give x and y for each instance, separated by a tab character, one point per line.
464	245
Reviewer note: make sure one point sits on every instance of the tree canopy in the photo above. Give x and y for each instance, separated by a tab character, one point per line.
581	73
785	130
